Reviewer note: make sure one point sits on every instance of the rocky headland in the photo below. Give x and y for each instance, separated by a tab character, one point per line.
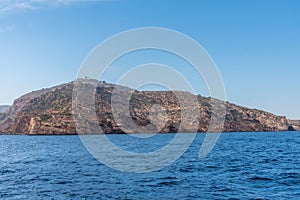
49	111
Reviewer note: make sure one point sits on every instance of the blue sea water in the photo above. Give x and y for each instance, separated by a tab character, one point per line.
241	166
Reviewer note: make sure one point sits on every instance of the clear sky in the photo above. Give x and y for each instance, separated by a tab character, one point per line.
255	44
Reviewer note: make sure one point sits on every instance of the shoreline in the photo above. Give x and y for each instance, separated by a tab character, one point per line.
73	134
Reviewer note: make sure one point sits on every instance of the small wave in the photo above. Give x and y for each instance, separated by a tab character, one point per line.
224	190
6	171
63	182
291	175
257	178
186	170
170	178
169	183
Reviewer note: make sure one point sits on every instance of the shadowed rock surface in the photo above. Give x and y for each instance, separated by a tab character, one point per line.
49	111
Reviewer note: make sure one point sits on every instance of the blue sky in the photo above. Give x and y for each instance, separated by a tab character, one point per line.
255	44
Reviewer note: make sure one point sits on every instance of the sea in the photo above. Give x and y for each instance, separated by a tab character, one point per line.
261	165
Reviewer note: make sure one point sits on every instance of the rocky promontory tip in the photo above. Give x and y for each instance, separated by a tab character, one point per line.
49	111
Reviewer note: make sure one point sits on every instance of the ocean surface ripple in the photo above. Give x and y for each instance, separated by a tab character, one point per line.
241	166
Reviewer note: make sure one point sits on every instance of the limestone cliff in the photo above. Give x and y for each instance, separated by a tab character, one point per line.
49	111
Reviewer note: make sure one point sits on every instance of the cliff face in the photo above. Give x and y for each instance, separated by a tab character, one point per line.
49	111
9	117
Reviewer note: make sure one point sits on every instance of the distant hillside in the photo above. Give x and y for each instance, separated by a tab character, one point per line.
4	108
49	111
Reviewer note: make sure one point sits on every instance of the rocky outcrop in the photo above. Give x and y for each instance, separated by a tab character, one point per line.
294	125
49	111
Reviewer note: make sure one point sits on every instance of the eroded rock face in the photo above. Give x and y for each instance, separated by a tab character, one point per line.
49	111
8	119
294	125
243	119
